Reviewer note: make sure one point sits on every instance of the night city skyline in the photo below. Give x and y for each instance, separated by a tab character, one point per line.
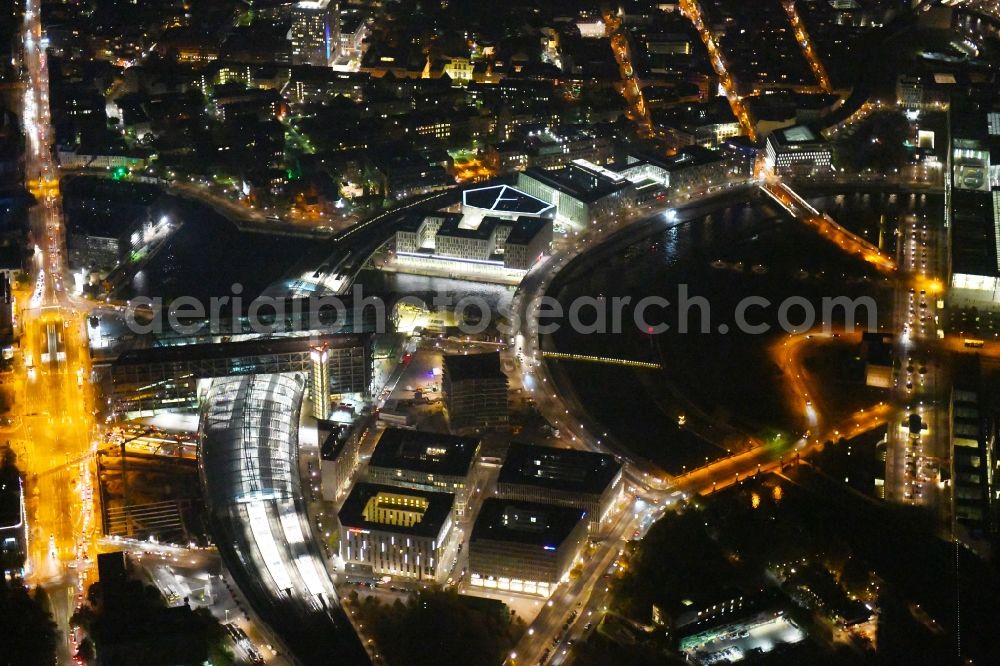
429	332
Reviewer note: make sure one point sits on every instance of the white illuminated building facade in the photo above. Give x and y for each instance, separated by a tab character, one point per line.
798	150
527	547
501	233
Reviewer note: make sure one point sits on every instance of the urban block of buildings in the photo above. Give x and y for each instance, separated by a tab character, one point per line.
386	530
567	477
491	245
525	546
425	461
798	150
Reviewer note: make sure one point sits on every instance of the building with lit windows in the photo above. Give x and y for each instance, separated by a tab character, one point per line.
315	33
475	391
797	150
425	461
459	69
525	546
471	242
319	381
390	531
973	447
145	381
13	527
567	477
339	455
973	299
581	194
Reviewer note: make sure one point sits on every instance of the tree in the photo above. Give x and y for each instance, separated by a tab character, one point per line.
479	631
29	634
86	650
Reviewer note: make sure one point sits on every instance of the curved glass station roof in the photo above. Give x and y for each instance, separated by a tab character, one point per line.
249	437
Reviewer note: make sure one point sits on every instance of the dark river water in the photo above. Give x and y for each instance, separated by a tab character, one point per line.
725	256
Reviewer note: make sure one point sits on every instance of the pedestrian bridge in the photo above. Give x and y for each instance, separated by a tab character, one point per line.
827	227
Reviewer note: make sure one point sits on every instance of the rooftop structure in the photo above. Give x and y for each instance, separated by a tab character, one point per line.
580	193
393	531
530	523
252	461
375	506
524	546
569	477
425	452
505	201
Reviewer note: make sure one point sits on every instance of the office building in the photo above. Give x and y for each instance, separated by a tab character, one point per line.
525	546
144	381
13	525
389	531
974	447
567	477
798	150
319	381
500	232
475	391
581	194
315	33
339	449
425	461
973	300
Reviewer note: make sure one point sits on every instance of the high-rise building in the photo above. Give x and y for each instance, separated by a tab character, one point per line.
315	33
319	382
475	391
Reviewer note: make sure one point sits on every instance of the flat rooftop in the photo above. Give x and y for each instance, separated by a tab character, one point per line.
797	134
373	506
973	233
223	350
421	451
506	199
569	470
525	229
460	367
530	523
578	182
